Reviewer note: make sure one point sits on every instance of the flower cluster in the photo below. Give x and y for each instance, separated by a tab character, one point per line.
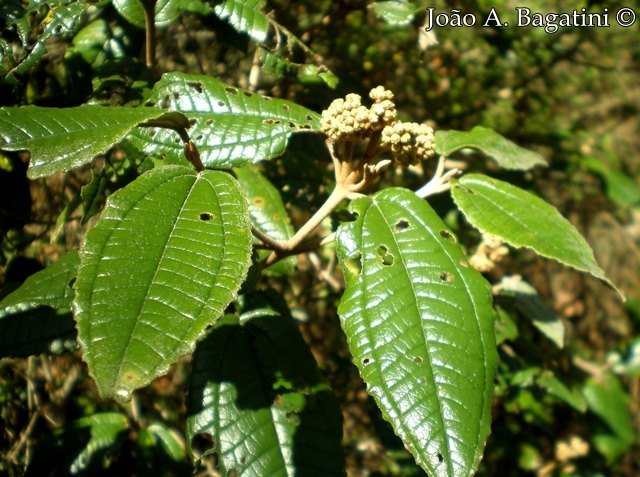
347	119
490	252
408	142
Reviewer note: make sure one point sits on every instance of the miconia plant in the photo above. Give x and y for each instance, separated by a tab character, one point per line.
173	264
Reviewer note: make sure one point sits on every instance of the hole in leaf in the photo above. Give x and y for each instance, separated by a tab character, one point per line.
193	121
176	96
230	90
71	282
277	121
166	102
149	104
366	361
353	263
440	457
447	235
198	137
195	85
206	216
306	126
208	122
417	359
385	256
401	225
202	442
221	104
266	98
309	117
446	277
267	121
291	124
248	94
285	107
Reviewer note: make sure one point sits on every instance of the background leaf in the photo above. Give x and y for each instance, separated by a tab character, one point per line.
61	139
398	13
36	317
231	126
523	220
245	16
507	154
256	391
419	323
168	254
166	12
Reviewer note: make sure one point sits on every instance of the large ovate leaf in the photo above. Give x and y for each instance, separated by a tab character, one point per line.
507	154
255	390
61	139
231	126
419	323
246	16
523	220
35	318
168	254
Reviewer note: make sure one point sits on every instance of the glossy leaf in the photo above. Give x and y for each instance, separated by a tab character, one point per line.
231	127
61	139
267	211
523	220
246	16
256	391
166	11
35	318
168	254
507	154
419	323
398	13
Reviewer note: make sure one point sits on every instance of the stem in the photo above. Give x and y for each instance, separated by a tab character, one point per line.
284	249
150	32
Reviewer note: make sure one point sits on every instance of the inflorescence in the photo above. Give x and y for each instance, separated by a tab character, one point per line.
347	119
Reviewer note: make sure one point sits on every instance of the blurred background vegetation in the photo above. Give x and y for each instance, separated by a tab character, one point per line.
573	96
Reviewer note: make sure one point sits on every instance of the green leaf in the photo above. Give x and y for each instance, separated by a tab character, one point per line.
607	398
246	16
166	12
398	13
532	306
29	323
268	212
168	254
507	154
255	390
419	323
82	447
61	139
232	127
523	220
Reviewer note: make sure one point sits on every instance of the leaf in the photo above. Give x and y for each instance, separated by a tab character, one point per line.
29	323
268	213
166	12
607	399
232	127
82	447
168	254
256	391
523	220
507	154
419	324
398	13
245	16
532	306
61	139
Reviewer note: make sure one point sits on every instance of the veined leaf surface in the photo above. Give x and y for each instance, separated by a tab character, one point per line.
232	127
61	139
168	254
419	323
523	220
